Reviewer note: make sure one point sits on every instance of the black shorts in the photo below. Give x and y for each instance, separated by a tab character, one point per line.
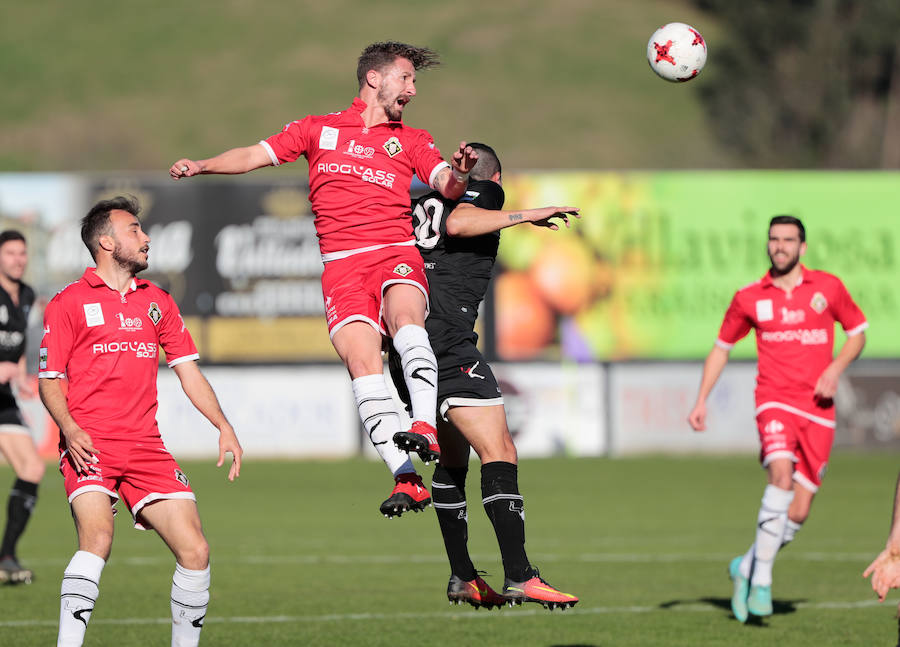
464	377
10	416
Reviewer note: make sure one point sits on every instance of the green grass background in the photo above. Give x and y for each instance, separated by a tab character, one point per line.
301	557
107	85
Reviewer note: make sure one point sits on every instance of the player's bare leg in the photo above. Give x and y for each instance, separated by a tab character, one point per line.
485	429
178	524
359	346
93	515
404	313
22	455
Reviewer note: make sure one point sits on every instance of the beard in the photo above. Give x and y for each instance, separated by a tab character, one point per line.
132	263
788	265
390	107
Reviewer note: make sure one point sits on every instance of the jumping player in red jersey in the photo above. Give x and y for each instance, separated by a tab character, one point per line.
104	333
361	163
793	310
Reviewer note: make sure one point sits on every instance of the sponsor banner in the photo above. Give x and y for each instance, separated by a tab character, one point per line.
551	408
303	412
650	403
868	406
651	267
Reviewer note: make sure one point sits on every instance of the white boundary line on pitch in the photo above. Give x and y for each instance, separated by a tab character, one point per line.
537	557
444	615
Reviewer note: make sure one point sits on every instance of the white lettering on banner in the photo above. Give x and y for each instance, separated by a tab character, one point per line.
139	348
273	298
269	248
382	178
11	338
806	336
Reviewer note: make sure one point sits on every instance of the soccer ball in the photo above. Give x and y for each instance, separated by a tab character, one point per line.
676	52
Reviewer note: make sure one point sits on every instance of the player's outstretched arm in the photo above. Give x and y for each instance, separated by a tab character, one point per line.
885	569
467	220
201	394
451	182
712	369
78	441
231	162
826	385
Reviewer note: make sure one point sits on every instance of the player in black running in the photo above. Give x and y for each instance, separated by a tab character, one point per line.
459	241
16	444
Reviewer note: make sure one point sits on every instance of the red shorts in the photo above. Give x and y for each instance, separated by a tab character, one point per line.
805	440
354	286
141	472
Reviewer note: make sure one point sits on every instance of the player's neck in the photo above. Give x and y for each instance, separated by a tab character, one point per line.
373	114
10	286
789	280
115	276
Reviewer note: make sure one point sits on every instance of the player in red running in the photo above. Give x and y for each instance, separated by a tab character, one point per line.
459	241
361	162
104	333
793	310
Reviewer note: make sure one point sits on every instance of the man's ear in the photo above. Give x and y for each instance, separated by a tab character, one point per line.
373	79
107	242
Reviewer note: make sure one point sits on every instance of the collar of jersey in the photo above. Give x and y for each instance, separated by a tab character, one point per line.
805	277
359	105
91	278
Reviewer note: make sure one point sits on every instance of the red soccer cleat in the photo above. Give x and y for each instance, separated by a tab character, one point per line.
421	439
409	494
537	590
475	592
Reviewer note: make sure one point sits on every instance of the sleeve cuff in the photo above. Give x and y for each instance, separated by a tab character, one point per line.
437	169
272	157
724	345
183	359
855	331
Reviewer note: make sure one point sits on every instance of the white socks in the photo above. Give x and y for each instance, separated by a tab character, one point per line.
381	421
80	587
190	598
419	371
771	524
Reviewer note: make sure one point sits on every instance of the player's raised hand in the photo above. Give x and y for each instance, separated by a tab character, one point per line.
464	159
697	417
228	442
81	448
184	168
546	216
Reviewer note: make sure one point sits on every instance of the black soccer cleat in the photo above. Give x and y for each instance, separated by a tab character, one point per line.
421	439
11	572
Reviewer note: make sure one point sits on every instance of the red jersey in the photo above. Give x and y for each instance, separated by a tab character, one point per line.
794	337
107	345
358	177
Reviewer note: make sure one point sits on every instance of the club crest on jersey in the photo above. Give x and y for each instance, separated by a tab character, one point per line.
393	147
403	269
154	312
181	478
818	303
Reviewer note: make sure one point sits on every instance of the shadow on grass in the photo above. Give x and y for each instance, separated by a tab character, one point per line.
779	607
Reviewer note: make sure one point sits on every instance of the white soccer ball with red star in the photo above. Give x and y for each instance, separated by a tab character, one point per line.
676	52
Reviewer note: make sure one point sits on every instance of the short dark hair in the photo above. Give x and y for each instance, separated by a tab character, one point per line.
377	56
789	220
96	222
487	164
10	234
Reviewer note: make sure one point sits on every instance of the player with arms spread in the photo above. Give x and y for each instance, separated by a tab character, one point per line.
793	310
361	163
16	443
104	333
459	241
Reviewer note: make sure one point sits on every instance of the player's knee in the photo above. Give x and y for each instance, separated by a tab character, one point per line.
32	471
98	541
196	555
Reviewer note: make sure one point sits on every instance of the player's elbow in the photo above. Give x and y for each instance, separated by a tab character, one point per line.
455	226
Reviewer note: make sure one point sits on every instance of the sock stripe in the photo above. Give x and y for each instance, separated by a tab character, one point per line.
442	486
86	598
189	606
449	506
68	576
500	497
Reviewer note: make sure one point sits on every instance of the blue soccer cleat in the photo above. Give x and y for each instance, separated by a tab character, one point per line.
741	589
759	601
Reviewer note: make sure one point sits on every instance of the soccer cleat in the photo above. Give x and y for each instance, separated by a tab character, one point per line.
11	572
537	590
741	589
475	592
421	439
759	601
409	494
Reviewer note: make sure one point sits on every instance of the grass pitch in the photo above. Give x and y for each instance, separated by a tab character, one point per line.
302	557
